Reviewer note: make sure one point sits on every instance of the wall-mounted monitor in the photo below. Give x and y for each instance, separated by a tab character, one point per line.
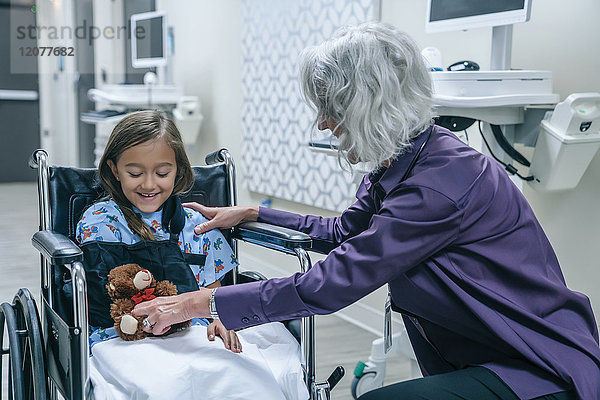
452	15
149	39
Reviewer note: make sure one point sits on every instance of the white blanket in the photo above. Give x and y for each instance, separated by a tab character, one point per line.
186	365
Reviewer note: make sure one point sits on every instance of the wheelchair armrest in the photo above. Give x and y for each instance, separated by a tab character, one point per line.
56	247
272	236
250	276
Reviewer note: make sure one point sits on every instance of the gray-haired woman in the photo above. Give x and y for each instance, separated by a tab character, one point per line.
468	265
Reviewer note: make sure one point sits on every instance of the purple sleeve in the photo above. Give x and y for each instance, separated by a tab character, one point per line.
414	223
326	233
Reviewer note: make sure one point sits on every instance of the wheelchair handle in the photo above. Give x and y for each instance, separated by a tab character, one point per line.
33	160
216	156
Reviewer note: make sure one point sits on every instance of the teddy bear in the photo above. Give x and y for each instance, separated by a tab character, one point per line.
129	285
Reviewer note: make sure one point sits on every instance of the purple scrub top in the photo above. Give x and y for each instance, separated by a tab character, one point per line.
468	265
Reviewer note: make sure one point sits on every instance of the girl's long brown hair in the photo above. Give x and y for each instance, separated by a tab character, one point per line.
137	128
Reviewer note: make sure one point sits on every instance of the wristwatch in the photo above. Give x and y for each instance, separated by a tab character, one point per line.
211	304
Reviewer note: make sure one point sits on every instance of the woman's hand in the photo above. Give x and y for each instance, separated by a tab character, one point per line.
163	312
223	217
230	338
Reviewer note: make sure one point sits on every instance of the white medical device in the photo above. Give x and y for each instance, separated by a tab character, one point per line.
149	39
479	89
150	78
188	118
567	143
433	59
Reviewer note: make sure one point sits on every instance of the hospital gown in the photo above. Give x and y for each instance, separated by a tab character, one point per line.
104	222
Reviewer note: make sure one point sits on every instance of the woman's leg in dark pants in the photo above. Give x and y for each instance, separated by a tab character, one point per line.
474	383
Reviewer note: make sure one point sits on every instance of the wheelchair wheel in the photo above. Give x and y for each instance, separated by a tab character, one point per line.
26	366
34	366
15	375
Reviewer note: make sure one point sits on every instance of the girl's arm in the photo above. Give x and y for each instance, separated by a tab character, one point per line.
230	338
221	255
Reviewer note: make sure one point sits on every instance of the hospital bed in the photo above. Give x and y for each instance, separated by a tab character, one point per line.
48	348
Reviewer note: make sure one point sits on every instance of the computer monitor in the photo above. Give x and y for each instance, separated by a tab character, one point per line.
149	39
448	15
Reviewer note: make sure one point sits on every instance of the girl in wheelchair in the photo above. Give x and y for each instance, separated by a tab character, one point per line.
144	165
142	221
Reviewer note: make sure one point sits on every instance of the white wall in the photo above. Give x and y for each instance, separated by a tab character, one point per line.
561	38
207	63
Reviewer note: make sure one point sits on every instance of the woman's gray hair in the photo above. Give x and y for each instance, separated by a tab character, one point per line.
372	81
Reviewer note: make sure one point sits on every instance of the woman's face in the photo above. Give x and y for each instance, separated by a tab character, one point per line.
329	123
336	130
147	174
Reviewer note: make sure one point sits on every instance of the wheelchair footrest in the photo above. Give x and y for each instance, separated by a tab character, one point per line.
335	376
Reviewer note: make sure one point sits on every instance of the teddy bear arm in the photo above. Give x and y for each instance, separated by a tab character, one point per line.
132	325
120	307
165	288
120	311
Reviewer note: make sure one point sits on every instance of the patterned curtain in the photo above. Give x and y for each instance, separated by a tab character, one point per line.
276	122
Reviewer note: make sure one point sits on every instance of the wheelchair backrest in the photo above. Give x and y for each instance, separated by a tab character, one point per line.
72	190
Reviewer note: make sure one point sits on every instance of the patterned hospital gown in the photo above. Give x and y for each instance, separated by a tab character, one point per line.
104	221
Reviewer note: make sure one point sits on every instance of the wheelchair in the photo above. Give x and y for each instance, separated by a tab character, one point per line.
48	349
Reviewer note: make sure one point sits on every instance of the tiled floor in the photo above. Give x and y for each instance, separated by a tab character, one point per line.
338	342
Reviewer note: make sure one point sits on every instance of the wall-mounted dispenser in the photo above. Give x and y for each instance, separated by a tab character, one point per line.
567	143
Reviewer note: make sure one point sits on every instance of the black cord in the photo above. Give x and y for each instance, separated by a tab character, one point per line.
508	149
467	136
510	168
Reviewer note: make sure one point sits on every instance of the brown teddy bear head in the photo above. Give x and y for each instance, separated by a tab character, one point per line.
127	280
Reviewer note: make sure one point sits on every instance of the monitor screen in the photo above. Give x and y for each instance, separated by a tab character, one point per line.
447	15
148	39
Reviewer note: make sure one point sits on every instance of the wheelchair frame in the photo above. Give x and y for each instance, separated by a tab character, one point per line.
58	250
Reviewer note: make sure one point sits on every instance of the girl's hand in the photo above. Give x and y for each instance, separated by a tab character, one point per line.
230	338
223	217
